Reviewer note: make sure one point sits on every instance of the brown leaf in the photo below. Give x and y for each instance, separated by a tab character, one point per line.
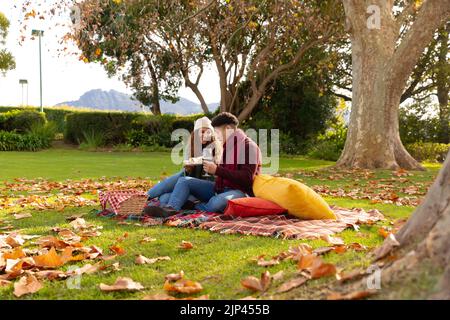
291	284
14	240
18	216
27	284
357	295
165	296
320	269
322	250
51	274
332	240
95	252
147	239
51	241
183	286
175	276
266	263
140	259
78	224
122	284
301	250
388	245
4	283
186	245
278	276
254	284
88	269
357	246
343	277
159	296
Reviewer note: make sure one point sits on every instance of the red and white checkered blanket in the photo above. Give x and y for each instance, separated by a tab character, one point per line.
115	198
279	226
288	227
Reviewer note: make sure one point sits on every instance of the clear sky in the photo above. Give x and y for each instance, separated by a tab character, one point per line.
64	77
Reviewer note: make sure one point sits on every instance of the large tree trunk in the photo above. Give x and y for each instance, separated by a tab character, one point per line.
380	72
156	107
425	238
443	83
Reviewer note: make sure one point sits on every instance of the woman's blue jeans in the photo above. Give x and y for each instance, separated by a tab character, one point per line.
163	189
202	190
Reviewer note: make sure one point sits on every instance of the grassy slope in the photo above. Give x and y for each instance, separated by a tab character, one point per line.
217	261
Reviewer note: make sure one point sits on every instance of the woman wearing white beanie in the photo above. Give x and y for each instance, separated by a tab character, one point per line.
202	137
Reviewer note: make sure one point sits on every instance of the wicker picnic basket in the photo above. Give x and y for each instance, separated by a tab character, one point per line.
123	202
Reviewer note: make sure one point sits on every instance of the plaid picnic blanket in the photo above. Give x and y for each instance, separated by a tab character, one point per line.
278	226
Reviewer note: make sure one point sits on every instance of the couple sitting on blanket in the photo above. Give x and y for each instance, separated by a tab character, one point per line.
236	159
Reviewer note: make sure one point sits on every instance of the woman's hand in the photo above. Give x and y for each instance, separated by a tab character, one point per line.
189	168
209	167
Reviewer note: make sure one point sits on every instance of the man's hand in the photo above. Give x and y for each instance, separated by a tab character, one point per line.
209	167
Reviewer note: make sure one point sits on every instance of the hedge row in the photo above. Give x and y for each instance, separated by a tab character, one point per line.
428	151
11	141
55	115
125	127
21	121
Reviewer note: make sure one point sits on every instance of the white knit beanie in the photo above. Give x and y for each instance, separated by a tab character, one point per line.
203	122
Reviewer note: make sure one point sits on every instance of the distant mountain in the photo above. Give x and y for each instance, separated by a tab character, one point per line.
115	100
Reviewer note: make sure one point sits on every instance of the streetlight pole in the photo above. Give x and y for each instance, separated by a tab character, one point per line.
24	82
40	34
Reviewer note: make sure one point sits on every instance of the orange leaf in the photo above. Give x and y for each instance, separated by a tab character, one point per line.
306	261
183	286
17	253
340	249
117	249
320	269
186	245
49	260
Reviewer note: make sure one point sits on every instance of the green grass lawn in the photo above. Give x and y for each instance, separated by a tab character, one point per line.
218	261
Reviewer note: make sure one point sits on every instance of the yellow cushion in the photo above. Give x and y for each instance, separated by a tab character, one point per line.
300	200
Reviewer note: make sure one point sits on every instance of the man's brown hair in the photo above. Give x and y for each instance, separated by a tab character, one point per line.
224	118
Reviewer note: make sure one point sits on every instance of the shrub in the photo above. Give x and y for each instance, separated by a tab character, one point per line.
329	145
92	140
46	131
21	121
130	128
11	141
113	125
427	151
325	150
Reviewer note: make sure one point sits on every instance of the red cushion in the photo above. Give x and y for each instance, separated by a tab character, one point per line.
251	206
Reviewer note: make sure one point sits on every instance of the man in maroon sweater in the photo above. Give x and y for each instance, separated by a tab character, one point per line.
241	161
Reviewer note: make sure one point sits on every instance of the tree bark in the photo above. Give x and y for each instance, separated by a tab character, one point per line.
380	72
426	236
443	83
156	107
